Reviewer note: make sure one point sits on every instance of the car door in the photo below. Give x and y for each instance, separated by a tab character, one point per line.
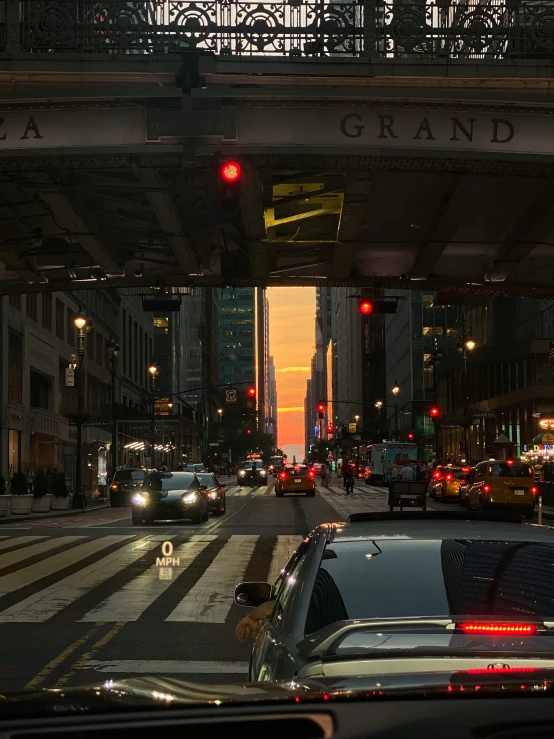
268	644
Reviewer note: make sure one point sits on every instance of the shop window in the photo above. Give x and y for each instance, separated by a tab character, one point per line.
15	368
40	390
47	311
162	323
31	301
60	319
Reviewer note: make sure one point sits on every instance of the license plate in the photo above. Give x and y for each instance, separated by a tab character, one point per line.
298	481
519	492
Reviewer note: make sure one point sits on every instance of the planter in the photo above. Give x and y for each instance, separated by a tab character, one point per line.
41	505
4	505
59	504
21	504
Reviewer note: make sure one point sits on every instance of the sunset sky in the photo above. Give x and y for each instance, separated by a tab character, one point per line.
292	343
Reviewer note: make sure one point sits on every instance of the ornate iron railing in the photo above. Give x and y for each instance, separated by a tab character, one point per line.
490	28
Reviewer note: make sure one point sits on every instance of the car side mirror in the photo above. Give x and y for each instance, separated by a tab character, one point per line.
252	593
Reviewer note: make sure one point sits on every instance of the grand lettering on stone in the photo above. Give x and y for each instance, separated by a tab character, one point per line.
454	128
29	130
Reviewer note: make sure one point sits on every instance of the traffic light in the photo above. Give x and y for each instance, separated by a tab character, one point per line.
251	392
434	412
249	431
330	428
410	436
367	306
223	194
321	410
230	172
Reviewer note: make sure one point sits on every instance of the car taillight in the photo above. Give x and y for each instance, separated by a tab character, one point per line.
486	488
311	473
448	478
283	475
534	490
465	469
437	475
506	628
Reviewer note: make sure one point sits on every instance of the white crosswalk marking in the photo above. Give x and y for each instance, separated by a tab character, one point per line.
11	542
18	555
46	603
134	598
210	600
282	552
50	565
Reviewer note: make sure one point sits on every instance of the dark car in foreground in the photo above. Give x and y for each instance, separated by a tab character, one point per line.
125	483
215	492
394	594
170	495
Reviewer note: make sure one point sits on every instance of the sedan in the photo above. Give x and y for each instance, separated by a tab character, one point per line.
170	495
386	594
124	484
296	479
215	492
251	473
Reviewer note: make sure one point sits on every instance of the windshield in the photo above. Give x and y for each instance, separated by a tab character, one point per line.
501	469
177	481
206	479
128	475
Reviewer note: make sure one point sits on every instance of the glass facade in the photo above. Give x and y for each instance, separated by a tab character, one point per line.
237	337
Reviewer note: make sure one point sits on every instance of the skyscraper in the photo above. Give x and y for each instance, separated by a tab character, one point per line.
272	401
237	335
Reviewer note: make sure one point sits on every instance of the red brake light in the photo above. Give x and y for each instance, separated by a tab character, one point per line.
366	307
492	670
283	475
509	628
486	488
311	473
509	462
465	469
448	477
437	475
534	490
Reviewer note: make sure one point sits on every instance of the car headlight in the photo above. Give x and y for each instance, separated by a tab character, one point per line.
140	498
213	495
190	498
242	473
263	472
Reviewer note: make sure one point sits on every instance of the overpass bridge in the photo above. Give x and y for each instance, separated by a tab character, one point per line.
383	144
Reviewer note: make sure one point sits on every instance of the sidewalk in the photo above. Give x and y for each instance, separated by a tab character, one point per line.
93	505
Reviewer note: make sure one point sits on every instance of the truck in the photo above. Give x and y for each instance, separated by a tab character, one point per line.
385	459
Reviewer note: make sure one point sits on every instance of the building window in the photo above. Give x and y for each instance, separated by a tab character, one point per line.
162	323
60	319
47	311
15	300
32	305
90	343
15	368
40	390
70	328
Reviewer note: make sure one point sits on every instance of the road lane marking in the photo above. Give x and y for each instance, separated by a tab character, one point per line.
44	604
14	541
41	676
210	600
87	656
133	599
32	573
282	552
166	667
11	558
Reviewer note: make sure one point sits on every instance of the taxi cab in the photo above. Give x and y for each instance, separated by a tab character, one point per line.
446	481
502	484
297	478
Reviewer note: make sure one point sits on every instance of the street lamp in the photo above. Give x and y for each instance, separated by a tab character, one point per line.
153	371
83	324
465	344
115	350
378	404
395	390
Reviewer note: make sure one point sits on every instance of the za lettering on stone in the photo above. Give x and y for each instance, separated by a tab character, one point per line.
30	128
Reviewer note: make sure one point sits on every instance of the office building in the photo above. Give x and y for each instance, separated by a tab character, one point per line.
272	402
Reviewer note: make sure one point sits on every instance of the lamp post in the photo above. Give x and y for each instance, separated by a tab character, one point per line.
83	324
114	356
153	371
465	344
395	390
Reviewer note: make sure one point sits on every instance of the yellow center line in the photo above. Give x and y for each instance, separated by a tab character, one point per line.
86	656
62	656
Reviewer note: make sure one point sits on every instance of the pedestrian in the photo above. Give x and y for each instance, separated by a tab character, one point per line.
324	475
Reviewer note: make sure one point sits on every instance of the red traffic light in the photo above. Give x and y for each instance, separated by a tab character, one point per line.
252	392
410	436
230	171
330	428
321	407
434	412
249	431
366	307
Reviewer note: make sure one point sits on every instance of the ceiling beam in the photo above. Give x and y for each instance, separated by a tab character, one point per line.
252	211
525	232
354	208
441	225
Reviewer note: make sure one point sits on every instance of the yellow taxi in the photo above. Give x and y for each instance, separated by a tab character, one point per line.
298	478
446	481
502	483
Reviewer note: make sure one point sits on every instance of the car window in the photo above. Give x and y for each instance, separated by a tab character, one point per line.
128	475
479	474
287	580
207	479
169	481
503	469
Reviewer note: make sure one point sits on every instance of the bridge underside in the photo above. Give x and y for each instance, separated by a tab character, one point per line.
461	225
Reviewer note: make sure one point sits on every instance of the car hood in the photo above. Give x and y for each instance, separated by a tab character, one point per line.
162	692
168	496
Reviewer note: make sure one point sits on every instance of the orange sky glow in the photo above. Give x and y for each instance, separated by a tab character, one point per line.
291	342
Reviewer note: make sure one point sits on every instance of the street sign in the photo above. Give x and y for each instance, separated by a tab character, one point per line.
213	443
483	414
230	396
352	428
97	424
69	377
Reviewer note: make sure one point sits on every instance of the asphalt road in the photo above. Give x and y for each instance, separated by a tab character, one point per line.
83	598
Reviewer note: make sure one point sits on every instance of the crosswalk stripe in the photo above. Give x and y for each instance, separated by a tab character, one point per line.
46	603
28	575
134	598
13	541
210	600
282	552
18	555
166	667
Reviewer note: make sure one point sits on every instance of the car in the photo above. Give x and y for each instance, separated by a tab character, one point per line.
125	483
170	495
502	484
446	481
297	478
394	593
197	467
215	492
276	464
252	472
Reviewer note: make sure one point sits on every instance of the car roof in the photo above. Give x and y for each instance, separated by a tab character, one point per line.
439	529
